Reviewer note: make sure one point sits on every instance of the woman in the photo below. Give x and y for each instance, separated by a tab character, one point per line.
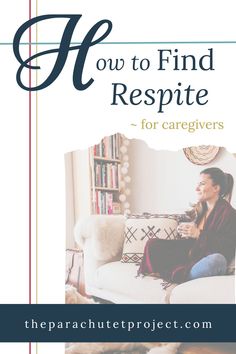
208	242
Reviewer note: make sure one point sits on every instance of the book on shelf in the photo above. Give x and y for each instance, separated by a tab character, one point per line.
108	148
105	175
104	202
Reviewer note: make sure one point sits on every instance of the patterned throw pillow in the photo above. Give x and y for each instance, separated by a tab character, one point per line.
141	228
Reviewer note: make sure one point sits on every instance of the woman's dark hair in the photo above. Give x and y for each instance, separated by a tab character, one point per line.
224	180
226	183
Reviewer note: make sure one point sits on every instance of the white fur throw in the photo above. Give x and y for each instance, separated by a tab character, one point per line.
106	233
100	348
73	297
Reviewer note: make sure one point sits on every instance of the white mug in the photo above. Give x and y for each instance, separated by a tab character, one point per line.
181	226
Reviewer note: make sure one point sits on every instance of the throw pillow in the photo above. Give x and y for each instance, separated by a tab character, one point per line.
140	228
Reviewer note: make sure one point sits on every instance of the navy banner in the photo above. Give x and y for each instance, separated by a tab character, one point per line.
117	323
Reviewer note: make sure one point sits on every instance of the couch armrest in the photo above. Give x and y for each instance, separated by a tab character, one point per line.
101	237
209	290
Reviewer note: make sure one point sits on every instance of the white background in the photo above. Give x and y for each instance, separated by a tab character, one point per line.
70	120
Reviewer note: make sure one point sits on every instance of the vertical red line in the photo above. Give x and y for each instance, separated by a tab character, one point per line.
30	111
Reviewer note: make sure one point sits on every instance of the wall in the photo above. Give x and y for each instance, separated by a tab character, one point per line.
70	207
78	191
165	181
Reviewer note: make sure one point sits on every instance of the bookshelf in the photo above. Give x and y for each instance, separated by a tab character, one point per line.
105	166
99	178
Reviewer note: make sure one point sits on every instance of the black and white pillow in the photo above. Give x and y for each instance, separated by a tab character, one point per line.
141	228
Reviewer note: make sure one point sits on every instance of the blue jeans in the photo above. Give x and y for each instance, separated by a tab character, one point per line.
214	264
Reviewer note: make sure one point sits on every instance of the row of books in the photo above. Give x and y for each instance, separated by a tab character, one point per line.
107	175
104	203
109	147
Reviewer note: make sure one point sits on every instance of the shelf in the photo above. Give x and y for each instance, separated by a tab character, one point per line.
105	159
107	189
105	176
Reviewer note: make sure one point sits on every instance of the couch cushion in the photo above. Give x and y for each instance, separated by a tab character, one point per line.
209	290
140	228
120	278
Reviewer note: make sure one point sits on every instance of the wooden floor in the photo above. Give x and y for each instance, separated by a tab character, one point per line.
205	348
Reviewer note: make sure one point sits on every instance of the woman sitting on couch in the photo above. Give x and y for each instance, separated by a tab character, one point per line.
208	242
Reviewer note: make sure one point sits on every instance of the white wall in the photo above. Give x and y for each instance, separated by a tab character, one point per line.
78	191
165	181
70	203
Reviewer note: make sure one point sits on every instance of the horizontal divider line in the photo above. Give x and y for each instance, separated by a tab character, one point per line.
133	43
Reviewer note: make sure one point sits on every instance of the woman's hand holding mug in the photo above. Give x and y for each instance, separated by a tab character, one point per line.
188	229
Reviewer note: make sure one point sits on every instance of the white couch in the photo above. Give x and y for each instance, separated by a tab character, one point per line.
102	237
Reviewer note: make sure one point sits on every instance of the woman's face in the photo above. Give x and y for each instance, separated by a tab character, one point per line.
206	190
